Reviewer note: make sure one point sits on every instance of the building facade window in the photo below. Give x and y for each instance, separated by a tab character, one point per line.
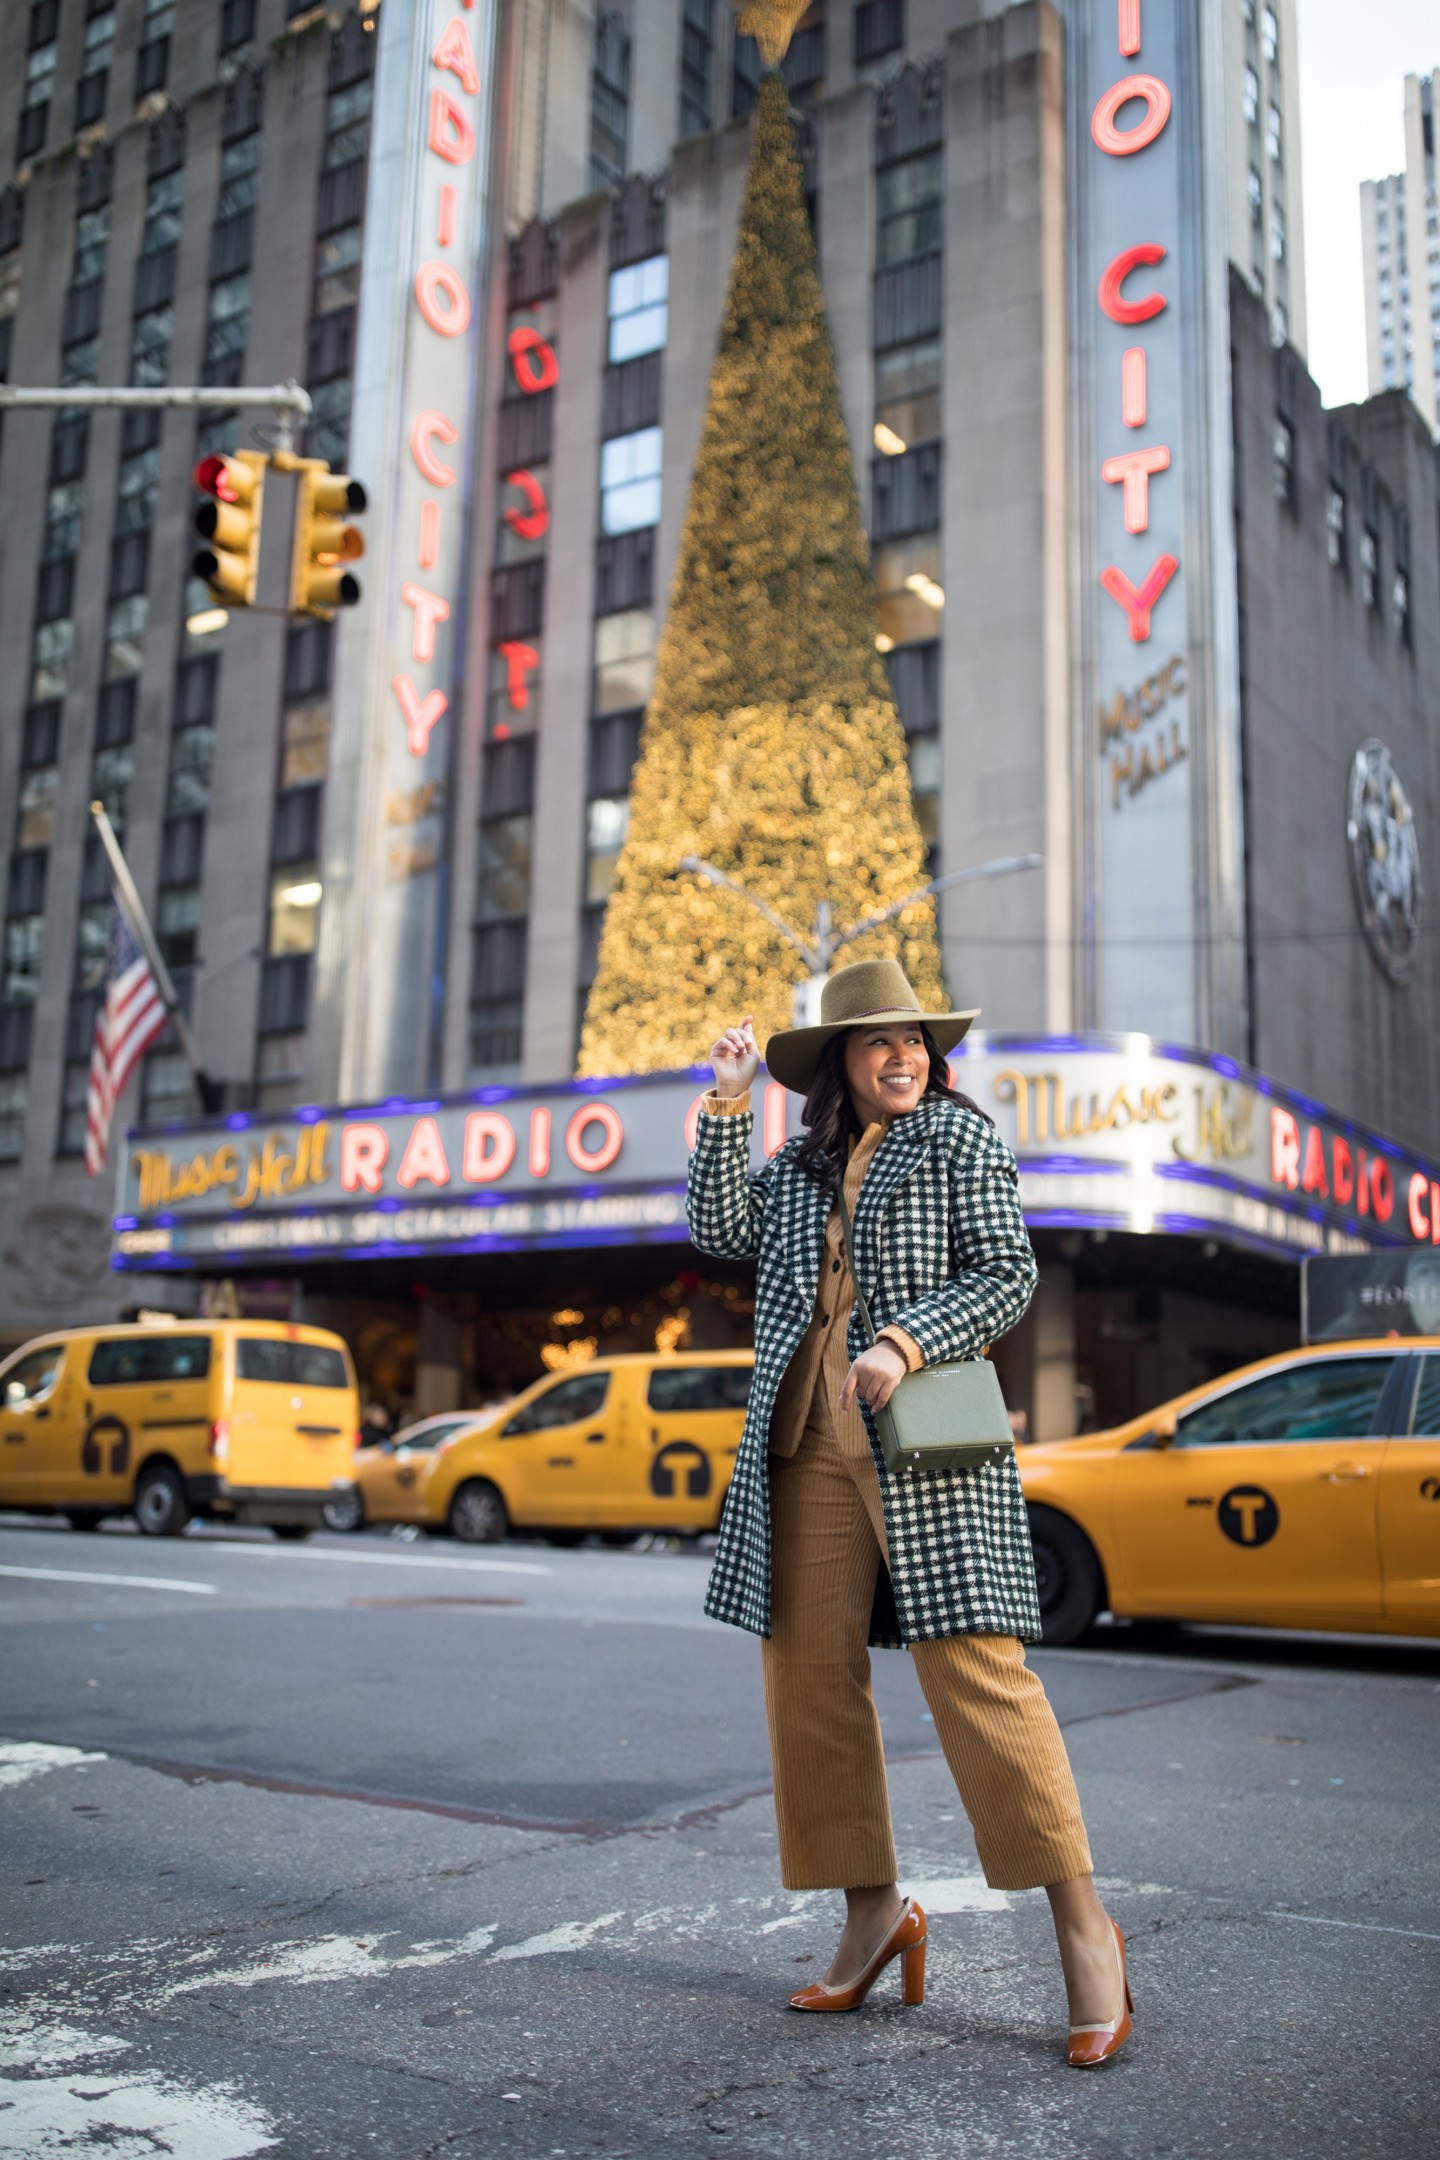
639	308
630	467
40	60
697	66
609	102
1283	442
339	241
908	208
1370	568
94	80
1335	529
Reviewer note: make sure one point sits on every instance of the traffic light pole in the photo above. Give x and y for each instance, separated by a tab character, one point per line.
287	399
210	1091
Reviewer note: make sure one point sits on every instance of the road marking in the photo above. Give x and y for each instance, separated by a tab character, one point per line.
1366	1927
956	1893
21	1760
375	1559
122	1582
570	1935
130	2117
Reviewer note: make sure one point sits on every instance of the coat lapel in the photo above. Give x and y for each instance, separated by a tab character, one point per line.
805	1246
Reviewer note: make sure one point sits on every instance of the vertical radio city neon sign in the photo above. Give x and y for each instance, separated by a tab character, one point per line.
443	301
1133	469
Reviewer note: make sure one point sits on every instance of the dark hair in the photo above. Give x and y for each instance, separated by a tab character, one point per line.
830	1113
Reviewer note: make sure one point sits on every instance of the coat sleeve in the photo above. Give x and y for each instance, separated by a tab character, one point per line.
990	1253
724	1204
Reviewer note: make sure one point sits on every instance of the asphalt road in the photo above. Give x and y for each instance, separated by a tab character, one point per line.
360	1846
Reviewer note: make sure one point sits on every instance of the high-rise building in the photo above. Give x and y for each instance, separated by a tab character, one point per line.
1149	615
1400	240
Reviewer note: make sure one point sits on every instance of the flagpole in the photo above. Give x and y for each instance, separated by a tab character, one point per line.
129	898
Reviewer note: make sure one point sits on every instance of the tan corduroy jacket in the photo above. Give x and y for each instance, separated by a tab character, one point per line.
816	1373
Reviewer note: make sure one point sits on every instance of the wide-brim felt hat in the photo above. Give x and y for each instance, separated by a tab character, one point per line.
871	993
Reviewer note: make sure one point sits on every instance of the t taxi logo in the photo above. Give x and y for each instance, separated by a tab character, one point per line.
681	1456
91	1453
1248	1516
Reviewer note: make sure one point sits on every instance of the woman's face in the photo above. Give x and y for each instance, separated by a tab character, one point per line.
887	1068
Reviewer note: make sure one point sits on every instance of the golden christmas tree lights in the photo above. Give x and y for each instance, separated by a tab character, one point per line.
771	746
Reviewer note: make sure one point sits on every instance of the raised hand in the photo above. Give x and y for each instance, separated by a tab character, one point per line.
735	1058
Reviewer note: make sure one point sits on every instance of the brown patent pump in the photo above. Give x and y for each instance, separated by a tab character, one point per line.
1091	2045
906	1940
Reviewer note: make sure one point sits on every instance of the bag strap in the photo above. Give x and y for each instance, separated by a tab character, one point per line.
850	1256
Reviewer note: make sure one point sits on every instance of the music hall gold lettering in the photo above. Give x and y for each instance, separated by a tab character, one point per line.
268	1172
1040	1109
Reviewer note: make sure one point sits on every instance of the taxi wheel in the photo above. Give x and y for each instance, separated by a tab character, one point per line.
477	1514
346	1513
1068	1580
161	1509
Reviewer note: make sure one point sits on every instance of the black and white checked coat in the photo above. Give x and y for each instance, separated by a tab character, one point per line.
941	1250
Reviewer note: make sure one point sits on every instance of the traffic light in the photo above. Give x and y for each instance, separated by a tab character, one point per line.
324	543
230	524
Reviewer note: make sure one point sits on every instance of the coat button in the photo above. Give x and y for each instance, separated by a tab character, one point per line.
835	1267
825	1319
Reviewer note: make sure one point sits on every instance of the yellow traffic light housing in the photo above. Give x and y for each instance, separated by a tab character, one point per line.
229	524
324	542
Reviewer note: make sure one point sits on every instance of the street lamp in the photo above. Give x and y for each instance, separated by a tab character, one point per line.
818	952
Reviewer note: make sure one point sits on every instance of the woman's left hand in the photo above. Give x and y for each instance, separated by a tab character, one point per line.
874	1377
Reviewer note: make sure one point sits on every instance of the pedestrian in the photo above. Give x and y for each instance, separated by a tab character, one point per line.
821	1551
377	1426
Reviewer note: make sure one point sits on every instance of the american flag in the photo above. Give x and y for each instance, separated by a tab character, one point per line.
129	1019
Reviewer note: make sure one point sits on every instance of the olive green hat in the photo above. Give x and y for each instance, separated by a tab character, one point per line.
871	993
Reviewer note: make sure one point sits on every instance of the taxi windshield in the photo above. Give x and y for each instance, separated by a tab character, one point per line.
1324	1399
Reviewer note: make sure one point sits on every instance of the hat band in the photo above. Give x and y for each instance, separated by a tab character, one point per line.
874	1014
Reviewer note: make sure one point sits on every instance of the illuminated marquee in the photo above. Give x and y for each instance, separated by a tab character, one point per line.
1109	1131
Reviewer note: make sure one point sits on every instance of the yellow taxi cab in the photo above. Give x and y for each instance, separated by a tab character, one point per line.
388	1473
1300	1492
243	1421
629	1443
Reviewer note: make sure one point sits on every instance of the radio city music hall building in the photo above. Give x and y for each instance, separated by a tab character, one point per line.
1152	614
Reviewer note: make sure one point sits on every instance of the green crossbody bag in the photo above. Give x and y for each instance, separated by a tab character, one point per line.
944	1417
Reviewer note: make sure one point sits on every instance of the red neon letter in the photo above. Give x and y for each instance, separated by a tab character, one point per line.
594	1114
489	1146
424	1156
453	51
420	713
1102	123
363	1149
445	222
518	658
457	146
428	552
1419	1215
534	362
1382	1189
774	1119
1343	1171
1313	1179
1129	28
1132	386
422	428
429	609
1138	601
528	524
540	1143
1108	293
692	1122
1134	468
1362	1183
433	278
1435	1214
1284	1148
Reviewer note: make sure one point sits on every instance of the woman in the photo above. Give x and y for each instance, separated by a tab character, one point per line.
821	1550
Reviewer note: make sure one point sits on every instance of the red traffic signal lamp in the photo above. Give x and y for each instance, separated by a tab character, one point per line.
229	524
324	542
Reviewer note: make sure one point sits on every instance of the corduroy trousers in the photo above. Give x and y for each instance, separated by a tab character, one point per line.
998	1731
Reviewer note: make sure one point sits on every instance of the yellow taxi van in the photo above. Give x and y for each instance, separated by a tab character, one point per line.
1299	1492
243	1421
628	1443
